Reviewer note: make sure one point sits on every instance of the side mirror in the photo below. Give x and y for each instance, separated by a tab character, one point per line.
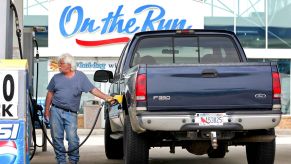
103	76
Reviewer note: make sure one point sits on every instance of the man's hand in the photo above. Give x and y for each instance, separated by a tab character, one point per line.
47	115
111	100
48	102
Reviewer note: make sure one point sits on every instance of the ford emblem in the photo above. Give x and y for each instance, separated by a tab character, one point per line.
260	96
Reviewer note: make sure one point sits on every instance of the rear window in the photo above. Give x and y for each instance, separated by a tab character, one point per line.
185	50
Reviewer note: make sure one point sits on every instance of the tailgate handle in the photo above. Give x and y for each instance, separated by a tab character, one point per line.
209	73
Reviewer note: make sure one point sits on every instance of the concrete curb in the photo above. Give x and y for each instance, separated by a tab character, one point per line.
94	132
282	132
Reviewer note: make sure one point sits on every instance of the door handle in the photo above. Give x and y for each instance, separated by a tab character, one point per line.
209	73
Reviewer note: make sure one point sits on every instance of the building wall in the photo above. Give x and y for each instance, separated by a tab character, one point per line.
262	26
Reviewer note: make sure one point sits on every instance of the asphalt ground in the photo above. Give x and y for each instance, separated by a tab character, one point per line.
93	152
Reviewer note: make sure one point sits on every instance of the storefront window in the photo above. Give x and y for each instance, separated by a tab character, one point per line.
35	7
88	97
245	18
48	67
40	87
42	77
250	23
279	33
284	69
219	15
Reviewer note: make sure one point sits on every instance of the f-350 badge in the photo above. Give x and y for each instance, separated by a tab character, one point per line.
162	98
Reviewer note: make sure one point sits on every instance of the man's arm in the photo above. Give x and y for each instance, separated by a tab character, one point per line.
96	92
48	101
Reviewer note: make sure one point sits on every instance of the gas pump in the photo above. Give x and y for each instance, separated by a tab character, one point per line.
14	118
14	129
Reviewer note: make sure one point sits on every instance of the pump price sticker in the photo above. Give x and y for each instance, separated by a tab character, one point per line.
8	94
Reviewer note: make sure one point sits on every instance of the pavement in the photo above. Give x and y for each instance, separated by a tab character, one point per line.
279	132
93	151
283	132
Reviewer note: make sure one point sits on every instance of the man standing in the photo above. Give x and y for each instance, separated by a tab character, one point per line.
62	104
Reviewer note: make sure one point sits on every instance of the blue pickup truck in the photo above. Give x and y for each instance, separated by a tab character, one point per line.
192	89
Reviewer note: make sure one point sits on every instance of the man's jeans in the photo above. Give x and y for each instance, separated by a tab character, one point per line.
61	121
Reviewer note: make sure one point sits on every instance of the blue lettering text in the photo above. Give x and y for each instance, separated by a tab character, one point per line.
115	22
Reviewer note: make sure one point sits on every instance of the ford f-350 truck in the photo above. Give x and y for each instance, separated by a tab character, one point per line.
193	89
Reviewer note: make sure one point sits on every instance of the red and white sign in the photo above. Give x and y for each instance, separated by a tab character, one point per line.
8	94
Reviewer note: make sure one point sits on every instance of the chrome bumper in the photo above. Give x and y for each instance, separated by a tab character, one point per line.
186	122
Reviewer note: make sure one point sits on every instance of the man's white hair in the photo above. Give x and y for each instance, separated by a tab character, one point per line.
68	59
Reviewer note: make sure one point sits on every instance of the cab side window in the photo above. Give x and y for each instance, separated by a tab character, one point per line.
120	62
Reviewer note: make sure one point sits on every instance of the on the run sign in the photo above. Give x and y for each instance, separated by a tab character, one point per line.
102	28
8	94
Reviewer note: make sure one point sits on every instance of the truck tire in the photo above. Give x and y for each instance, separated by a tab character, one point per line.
136	150
261	152
217	153
113	148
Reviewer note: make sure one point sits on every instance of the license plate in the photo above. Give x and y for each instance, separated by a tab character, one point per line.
206	119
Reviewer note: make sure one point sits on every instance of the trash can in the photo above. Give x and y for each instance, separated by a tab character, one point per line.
91	108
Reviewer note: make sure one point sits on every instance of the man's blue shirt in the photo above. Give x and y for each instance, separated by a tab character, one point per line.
68	91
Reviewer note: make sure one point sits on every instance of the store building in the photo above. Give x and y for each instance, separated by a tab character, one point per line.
262	26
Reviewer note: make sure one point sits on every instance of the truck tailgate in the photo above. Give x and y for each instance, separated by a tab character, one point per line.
213	87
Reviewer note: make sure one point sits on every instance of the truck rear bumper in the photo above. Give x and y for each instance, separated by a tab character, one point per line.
168	121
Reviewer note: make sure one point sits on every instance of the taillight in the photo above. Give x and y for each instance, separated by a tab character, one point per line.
141	87
276	85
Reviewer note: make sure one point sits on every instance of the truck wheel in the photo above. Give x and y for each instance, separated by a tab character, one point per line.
261	152
216	153
113	148
136	150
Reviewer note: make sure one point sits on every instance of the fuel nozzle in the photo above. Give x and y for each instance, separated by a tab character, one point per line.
117	103
114	103
118	98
